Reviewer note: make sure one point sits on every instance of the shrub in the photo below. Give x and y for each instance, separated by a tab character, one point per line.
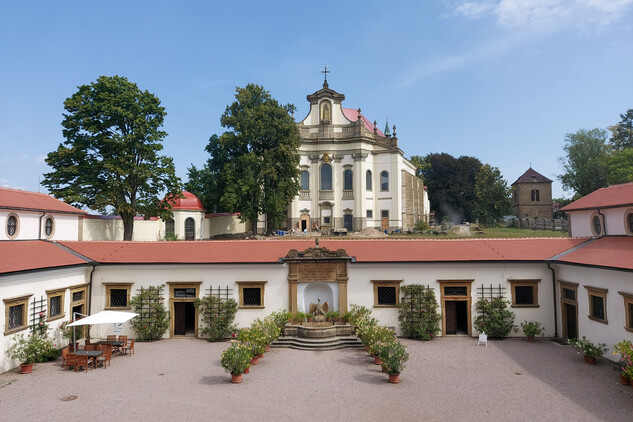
495	319
34	348
253	338
356	313
532	328
393	357
422	226
153	319
625	349
280	318
236	358
417	314
217	317
588	348
268	328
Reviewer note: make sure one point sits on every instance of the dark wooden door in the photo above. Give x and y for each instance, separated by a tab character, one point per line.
347	222
180	322
384	223
451	318
570	316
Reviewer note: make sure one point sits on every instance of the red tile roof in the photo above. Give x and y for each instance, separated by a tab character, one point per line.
23	255
609	197
261	251
33	201
611	252
188	202
532	176
352	115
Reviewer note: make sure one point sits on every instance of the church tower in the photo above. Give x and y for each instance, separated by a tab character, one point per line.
532	196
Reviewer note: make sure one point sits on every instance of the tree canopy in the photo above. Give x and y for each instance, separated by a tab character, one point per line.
620	167
110	155
493	195
585	161
622	133
254	165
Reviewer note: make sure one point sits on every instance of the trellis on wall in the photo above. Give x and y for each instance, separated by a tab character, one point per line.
37	316
146	304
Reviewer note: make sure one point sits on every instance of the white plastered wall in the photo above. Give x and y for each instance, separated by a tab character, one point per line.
65	226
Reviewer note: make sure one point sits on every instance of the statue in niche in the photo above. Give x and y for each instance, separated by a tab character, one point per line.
318	310
325	112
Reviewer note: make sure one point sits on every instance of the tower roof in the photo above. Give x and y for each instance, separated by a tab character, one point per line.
189	202
532	176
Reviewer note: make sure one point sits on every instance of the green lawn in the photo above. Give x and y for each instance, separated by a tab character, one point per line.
492	232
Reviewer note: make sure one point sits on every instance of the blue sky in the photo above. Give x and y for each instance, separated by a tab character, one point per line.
501	80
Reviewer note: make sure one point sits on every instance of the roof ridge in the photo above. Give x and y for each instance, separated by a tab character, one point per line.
575	248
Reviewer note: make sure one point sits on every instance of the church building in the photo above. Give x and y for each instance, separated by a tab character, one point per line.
353	175
532	196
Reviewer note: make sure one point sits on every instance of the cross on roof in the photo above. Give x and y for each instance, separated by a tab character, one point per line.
325	71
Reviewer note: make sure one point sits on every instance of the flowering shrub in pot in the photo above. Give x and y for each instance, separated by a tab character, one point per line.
236	358
393	356
589	349
625	350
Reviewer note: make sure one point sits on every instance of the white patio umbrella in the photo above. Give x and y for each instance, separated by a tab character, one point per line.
103	317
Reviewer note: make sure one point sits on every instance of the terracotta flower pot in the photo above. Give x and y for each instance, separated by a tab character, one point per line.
26	368
530	339
377	360
624	380
247	370
394	378
236	379
268	347
590	360
255	360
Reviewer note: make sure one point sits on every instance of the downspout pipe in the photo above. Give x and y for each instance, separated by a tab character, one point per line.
549	265
94	267
604	221
39	234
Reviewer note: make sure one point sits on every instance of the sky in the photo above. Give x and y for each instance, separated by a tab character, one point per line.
500	80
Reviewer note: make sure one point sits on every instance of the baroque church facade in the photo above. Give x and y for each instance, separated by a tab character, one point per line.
353	175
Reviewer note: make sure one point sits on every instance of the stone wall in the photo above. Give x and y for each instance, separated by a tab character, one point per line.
412	200
538	224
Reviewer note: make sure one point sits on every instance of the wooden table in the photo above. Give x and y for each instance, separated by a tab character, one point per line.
92	353
114	343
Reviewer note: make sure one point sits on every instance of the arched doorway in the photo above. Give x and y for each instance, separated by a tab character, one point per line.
190	229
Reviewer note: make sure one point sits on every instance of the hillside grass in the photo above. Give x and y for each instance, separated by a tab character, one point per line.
484	233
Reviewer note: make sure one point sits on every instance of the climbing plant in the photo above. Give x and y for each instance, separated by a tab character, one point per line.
153	319
217	316
417	314
494	318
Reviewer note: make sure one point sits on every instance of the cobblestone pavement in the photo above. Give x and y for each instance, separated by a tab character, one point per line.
445	379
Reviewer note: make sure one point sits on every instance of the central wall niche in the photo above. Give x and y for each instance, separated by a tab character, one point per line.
308	293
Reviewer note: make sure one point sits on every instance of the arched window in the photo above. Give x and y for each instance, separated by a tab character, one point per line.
596	222
12	226
326	177
48	227
305	180
347	180
170	228
532	195
537	196
190	229
368	180
384	181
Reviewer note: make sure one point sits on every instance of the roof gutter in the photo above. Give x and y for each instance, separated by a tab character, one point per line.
39	234
604	221
549	265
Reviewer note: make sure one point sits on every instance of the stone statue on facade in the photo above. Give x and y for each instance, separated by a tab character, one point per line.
318	310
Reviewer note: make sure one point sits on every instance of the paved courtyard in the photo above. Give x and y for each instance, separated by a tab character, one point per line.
446	379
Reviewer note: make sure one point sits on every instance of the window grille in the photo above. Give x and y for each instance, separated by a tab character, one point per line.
569	294
455	291
597	307
251	296
16	316
12	225
597	225
524	295
190	227
77	296
55	306
387	295
118	298
185	292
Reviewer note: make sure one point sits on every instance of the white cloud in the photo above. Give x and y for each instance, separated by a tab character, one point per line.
546	15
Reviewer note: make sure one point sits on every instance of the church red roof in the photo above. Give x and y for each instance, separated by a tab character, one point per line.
352	116
532	176
32	201
610	252
189	202
609	197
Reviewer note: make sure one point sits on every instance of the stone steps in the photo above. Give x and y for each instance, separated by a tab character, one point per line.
329	343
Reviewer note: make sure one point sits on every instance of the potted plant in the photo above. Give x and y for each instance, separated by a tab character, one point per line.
256	340
531	329
308	317
236	359
393	357
34	348
589	350
381	335
625	349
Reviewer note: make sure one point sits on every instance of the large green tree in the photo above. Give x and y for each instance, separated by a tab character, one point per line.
622	133
110	160
620	167
255	163
451	183
493	195
585	161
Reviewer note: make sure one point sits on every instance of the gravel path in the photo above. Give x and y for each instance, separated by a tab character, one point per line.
446	379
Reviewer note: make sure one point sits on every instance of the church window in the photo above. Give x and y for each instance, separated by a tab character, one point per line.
347	180
305	180
384	213
368	180
49	226
13	226
524	293
386	293
596	225
384	181
251	294
326	177
170	228
597	304
190	229
537	195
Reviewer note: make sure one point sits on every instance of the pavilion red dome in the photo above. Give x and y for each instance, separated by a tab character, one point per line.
189	202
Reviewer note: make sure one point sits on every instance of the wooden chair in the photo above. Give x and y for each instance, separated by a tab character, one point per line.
129	347
90	347
105	357
64	357
123	339
113	350
71	360
71	347
83	360
111	338
87	341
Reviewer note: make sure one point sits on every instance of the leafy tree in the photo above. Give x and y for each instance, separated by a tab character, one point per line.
206	183
110	155
420	165
493	195
620	167
255	163
585	161
451	182
622	133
